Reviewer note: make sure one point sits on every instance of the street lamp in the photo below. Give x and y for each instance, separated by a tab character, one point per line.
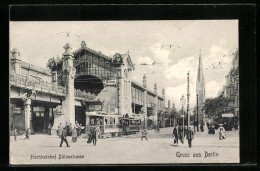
183	101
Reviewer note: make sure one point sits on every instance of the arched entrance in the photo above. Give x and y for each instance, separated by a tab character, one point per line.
89	83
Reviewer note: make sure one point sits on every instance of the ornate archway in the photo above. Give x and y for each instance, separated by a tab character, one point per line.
89	83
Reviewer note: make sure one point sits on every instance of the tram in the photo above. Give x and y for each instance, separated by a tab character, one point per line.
131	125
111	125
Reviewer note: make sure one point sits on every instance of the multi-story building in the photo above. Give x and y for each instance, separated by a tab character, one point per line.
79	86
231	87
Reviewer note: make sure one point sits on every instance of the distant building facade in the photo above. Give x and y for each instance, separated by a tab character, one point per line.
231	87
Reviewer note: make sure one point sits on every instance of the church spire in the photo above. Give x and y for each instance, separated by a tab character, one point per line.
200	76
200	90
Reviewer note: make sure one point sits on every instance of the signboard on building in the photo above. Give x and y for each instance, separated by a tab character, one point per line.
38	109
110	82
227	115
59	110
16	110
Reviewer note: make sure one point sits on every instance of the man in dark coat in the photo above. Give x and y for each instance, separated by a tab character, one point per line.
190	136
49	129
176	134
180	132
67	127
64	137
70	130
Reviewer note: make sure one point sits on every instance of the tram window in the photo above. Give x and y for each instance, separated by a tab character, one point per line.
38	114
97	107
91	107
111	120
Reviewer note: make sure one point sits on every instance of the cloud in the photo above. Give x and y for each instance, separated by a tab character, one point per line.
212	88
145	60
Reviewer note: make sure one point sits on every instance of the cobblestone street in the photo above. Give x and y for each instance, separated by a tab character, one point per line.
128	149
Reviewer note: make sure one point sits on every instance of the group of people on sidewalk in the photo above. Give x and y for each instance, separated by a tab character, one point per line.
180	133
69	130
75	132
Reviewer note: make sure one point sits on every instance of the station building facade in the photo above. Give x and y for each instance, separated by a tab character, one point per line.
80	84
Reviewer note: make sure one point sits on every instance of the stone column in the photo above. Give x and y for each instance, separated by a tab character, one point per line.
58	118
27	113
145	101
69	73
15	61
120	82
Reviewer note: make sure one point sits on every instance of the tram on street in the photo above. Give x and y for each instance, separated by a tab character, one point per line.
111	125
131	125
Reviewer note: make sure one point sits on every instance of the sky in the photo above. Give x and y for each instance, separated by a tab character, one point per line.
147	42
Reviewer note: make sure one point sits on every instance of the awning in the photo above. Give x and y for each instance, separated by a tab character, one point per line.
106	94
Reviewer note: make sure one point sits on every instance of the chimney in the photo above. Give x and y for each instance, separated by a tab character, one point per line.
155	88
144	81
163	93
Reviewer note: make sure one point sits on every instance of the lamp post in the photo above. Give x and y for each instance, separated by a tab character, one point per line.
183	101
197	113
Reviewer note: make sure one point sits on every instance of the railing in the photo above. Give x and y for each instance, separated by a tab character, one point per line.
84	95
35	68
30	83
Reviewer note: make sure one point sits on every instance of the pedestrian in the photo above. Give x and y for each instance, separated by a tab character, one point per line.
74	134
59	130
202	127
208	125
90	135
78	128
158	128
82	129
64	137
185	131
175	134
15	134
70	130
180	133
96	135
144	133
67	127
190	136
28	133
221	130
49	129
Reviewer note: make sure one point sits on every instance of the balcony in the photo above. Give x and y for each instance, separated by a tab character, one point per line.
31	84
83	95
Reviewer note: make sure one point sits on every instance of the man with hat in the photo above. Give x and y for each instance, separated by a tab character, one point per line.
190	136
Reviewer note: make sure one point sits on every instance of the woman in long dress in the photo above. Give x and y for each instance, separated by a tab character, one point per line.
221	130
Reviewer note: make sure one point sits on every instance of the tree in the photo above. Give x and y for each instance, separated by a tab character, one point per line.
214	107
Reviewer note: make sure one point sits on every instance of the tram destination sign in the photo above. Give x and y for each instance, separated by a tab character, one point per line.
227	115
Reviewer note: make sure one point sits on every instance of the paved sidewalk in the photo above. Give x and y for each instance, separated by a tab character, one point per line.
127	149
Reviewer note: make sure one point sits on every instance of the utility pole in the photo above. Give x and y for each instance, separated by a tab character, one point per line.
188	97
197	113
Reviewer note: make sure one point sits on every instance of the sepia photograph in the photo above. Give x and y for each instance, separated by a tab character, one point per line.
124	92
